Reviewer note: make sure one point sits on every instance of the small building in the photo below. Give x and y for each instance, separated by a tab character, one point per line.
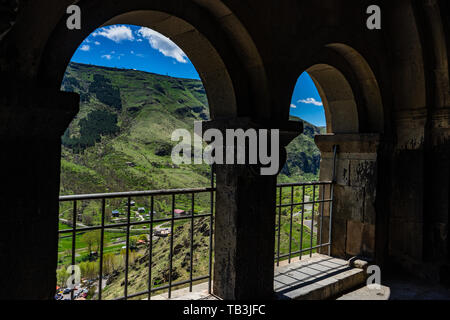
115	213
180	213
162	232
141	210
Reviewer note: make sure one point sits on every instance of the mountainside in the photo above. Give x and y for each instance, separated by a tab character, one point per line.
120	140
303	156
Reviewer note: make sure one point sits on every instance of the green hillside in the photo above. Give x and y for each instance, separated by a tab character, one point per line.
120	140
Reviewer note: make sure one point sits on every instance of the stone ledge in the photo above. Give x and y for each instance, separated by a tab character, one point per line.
317	278
348	142
199	292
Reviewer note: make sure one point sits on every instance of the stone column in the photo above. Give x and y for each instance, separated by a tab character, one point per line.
31	126
355	192
244	234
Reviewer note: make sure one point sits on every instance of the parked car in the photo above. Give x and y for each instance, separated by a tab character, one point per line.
67	290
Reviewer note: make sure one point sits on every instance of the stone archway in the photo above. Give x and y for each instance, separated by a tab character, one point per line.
209	33
355	120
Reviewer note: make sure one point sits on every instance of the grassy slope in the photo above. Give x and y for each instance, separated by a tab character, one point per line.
153	106
147	119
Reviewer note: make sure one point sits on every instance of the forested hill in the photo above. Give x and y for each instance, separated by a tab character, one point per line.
120	139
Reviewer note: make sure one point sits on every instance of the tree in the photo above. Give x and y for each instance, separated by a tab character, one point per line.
92	238
62	276
109	263
87	219
143	237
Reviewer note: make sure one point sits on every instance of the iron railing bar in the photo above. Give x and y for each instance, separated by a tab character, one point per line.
211	221
119	225
335	149
321	216
133	194
303	216
312	220
74	238
300	184
279	228
150	254
156	289
171	247
305	250
191	243
102	239
127	249
290	226
307	202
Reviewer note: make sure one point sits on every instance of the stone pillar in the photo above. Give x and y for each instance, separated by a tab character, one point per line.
355	192
31	126
244	234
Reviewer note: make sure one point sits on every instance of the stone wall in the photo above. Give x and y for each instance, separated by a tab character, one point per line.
355	193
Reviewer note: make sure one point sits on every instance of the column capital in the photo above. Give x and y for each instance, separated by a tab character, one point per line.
37	113
348	142
289	130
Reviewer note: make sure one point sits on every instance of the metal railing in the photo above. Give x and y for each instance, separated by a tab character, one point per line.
315	232
316	189
151	222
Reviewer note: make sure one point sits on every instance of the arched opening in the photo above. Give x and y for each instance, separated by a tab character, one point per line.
355	120
120	141
215	41
338	100
297	195
348	95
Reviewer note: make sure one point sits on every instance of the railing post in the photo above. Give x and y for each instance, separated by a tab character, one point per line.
211	231
333	182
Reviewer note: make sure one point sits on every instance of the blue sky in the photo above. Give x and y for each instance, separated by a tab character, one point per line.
306	102
133	47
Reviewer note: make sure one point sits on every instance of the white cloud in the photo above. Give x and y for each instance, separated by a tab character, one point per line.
293	106
97	43
115	33
139	40
163	44
85	47
107	56
311	101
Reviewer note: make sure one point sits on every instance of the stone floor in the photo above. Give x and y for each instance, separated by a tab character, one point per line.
400	288
316	277
199	292
322	277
